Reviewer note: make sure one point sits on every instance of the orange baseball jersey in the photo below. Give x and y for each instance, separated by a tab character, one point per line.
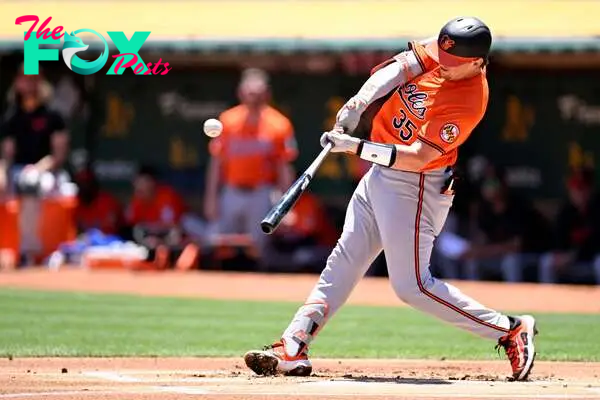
440	113
103	213
250	153
165	208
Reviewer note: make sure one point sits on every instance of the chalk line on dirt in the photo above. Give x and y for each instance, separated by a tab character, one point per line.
112	376
116	377
63	393
182	389
252	390
156	376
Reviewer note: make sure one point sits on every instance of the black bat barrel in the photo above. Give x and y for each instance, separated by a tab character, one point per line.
284	205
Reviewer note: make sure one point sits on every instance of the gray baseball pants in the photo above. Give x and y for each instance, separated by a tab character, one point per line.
401	213
242	210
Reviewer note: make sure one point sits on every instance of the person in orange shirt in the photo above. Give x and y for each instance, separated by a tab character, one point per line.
96	209
423	104
153	218
154	205
250	161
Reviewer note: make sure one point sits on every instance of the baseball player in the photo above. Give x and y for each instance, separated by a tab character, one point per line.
249	161
426	101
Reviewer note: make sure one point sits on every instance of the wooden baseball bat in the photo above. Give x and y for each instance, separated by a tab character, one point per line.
291	196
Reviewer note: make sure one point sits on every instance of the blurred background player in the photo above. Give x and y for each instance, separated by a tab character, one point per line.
251	161
154	214
155	205
96	208
506	233
576	257
35	147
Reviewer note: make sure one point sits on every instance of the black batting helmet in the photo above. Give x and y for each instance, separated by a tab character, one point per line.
461	40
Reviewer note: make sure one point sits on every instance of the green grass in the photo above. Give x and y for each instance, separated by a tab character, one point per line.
73	324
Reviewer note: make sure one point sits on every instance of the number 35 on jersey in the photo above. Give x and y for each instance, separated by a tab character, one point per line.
414	102
406	128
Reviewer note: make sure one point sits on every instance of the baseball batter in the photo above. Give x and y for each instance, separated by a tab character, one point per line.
426	101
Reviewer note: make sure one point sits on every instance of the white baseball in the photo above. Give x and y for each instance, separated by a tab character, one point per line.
213	127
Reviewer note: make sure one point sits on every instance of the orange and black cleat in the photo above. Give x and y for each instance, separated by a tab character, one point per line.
273	360
519	346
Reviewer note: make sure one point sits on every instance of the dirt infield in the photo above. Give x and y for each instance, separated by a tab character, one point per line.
164	378
212	378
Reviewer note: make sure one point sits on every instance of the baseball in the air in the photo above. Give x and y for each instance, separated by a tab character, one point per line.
213	127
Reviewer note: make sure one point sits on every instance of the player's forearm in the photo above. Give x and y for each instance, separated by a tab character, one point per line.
47	163
52	161
3	176
7	150
411	158
60	150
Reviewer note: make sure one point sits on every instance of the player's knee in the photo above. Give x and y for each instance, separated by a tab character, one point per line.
407	291
343	260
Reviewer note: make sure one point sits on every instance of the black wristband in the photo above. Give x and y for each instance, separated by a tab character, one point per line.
360	147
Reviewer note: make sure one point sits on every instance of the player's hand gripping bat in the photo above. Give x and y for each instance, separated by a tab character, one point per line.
291	196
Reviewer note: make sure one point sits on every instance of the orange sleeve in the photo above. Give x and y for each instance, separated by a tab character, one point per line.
450	129
418	47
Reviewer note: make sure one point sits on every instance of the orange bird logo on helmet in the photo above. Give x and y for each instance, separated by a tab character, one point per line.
446	43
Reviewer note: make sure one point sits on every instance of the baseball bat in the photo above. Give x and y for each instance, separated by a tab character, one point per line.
291	196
